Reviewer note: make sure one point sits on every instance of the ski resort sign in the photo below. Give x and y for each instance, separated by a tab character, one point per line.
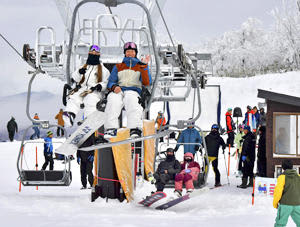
265	186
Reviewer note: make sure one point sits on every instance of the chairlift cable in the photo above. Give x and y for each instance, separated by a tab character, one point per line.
194	103
78	16
110	11
11	46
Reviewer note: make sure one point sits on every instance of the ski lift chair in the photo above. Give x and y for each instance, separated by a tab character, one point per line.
199	183
43	177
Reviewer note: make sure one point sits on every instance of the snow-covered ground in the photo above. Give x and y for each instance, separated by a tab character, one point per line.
69	206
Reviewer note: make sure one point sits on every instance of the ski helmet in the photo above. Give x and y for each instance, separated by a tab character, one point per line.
95	48
130	46
246	127
170	150
215	126
49	133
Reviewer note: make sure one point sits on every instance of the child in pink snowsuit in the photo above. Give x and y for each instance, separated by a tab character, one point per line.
189	172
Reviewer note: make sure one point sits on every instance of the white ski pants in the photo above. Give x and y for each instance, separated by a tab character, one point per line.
115	103
89	101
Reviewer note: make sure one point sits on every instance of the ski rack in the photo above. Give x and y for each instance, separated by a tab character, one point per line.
33	178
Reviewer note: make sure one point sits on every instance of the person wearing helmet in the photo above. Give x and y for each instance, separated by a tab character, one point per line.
230	127
213	142
189	172
48	151
91	79
248	157
125	85
166	170
190	138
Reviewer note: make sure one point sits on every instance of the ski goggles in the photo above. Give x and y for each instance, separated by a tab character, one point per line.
215	127
95	48
130	45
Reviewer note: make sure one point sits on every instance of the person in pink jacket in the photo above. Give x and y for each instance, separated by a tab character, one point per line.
189	172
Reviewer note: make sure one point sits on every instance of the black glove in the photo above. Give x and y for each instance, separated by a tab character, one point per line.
82	71
78	86
223	151
98	87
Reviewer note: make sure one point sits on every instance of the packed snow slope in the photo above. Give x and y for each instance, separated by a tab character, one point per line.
68	206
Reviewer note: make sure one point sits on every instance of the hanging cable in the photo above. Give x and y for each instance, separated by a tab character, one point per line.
18	53
12	46
110	11
194	103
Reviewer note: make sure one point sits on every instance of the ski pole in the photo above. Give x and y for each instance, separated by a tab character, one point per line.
228	160
253	191
36	163
226	168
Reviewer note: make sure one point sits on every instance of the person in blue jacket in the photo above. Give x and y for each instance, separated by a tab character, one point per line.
125	84
48	151
191	140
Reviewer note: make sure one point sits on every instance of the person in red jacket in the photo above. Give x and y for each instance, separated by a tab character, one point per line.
189	172
230	127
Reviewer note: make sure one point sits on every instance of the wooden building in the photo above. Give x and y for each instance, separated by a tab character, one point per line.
282	130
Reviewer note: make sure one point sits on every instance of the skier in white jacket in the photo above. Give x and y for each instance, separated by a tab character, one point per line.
91	80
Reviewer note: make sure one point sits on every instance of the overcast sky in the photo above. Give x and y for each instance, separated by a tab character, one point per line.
189	21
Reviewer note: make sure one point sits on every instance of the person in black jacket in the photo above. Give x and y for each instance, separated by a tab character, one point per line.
166	170
213	142
12	128
261	152
86	159
248	157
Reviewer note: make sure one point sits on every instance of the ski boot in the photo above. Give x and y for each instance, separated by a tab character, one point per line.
178	193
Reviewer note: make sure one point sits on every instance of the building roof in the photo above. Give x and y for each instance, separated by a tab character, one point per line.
277	97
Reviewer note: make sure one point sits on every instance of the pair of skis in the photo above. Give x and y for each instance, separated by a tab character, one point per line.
160	195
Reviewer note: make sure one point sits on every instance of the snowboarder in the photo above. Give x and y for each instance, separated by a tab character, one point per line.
261	152
12	128
91	80
48	151
189	172
35	128
287	195
60	122
213	142
230	127
166	170
248	157
125	85
86	159
191	140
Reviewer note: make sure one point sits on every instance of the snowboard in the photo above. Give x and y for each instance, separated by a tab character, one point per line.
182	199
82	133
152	199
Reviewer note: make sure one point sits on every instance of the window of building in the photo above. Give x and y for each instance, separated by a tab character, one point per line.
285	134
